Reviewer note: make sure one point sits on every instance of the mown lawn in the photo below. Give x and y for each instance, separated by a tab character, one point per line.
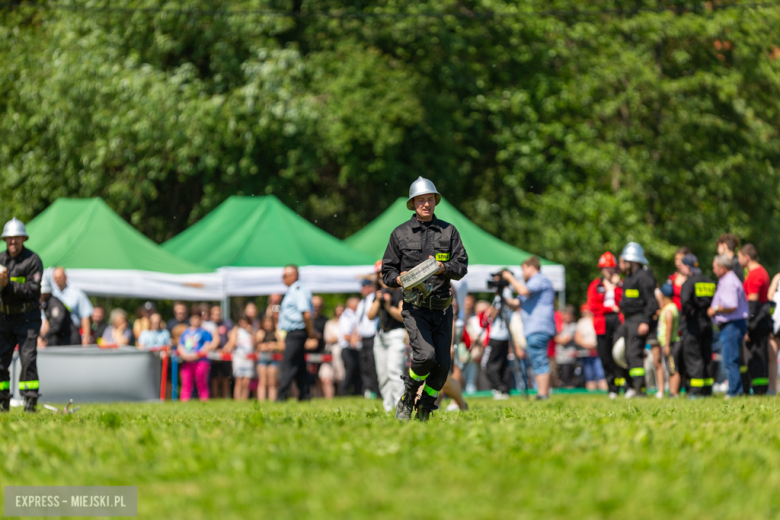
571	457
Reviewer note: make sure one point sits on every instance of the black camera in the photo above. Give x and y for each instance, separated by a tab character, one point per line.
498	285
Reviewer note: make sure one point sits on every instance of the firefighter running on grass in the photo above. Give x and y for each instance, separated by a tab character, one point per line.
639	306
428	320
20	314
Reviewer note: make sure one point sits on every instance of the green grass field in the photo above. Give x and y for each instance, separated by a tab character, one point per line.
571	457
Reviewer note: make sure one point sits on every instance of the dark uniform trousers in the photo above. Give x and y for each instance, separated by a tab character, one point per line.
756	355
696	357
755	364
616	375
368	366
635	353
496	366
352	378
19	329
430	336
293	367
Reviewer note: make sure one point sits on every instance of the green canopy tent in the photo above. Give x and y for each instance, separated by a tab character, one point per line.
486	253
250	239
106	256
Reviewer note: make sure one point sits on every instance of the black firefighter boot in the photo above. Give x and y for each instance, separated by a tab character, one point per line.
30	403
425	407
5	405
405	406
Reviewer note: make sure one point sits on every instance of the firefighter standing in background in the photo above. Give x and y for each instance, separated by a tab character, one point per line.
62	330
639	306
604	295
428	320
20	314
696	297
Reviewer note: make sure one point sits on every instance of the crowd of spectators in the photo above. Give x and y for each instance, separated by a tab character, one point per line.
364	336
518	340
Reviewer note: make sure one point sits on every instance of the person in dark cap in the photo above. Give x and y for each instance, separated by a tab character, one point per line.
366	329
696	297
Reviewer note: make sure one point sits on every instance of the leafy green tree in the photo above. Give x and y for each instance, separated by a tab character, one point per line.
565	127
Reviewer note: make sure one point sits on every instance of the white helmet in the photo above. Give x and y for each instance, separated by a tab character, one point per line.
619	352
14	228
633	252
421	186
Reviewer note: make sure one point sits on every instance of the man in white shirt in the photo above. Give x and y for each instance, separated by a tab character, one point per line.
76	302
350	344
367	331
494	360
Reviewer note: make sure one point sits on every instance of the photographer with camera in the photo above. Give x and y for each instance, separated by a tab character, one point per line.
537	298
494	360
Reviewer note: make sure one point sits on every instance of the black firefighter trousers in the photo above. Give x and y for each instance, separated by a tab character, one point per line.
430	336
20	329
615	374
635	354
756	359
697	357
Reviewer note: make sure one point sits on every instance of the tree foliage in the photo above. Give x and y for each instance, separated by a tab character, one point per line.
565	133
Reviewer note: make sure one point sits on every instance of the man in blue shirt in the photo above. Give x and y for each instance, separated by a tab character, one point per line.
295	320
76	302
537	298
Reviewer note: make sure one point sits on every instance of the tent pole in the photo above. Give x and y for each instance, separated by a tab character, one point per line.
226	307
561	299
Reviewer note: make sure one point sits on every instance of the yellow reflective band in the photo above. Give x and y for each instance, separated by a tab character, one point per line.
704	289
620	381
5	385
709	381
697	383
632	293
760	381
416	377
636	372
431	391
442	257
742	369
18	279
28	385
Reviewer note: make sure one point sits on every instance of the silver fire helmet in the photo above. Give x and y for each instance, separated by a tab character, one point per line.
633	252
14	228
421	186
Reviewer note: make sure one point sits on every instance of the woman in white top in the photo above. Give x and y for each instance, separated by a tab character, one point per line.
774	295
333	372
241	344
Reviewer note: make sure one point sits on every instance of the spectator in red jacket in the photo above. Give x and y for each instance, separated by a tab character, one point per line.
677	278
604	294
